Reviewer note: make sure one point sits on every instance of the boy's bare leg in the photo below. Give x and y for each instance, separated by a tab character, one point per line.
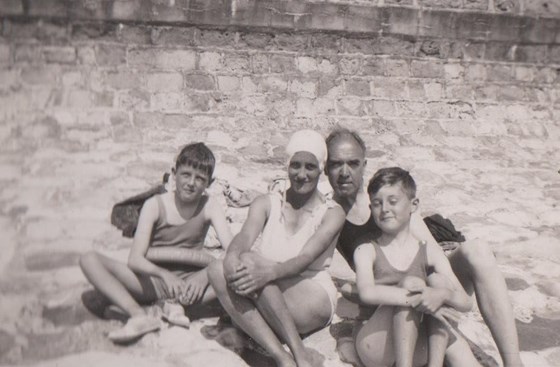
476	268
438	334
115	281
405	334
247	316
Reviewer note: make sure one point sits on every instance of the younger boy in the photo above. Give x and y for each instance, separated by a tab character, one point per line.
166	260
392	271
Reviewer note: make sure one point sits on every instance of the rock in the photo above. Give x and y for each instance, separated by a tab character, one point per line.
7	342
516	284
45	260
539	334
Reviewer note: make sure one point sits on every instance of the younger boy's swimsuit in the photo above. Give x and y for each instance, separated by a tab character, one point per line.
386	274
186	235
277	245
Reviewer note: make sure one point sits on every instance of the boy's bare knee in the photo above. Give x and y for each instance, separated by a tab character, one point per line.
215	273
88	259
412	283
436	280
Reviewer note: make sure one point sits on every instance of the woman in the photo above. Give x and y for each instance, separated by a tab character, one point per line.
280	288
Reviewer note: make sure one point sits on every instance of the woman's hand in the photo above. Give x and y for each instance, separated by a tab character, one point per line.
429	300
251	275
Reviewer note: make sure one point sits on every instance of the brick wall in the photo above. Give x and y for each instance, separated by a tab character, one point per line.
99	94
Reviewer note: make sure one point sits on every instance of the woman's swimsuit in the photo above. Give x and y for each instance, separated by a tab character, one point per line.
277	245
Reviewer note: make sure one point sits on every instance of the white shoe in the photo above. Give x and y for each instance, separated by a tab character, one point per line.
134	328
174	313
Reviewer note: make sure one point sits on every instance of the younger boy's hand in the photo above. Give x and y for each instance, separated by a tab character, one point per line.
195	286
431	299
175	285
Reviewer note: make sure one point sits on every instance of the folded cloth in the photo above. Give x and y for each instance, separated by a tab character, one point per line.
443	229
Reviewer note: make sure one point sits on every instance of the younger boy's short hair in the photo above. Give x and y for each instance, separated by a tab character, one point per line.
199	156
391	176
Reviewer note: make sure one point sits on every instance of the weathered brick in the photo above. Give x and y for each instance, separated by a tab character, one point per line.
440	3
210	61
147	119
259	63
389	88
260	41
282	64
273	84
364	19
475	72
86	55
248	85
455	110
410	109
11	7
303	88
453	71
39	75
122	79
5	56
474	26
326	43
329	87
416	89
216	38
373	66
349	66
325	66
59	55
396	68
536	94
426	69
175	36
228	84
523	73
133	99
28	53
358	87
9	78
162	58
499	73
381	108
103	99
351	107
73	78
476	4
306	64
290	42
506	6
510	93
546	75
236	63
110	54
461	92
164	82
199	81
434	48
394	45
434	23
554	53
486	92
434	91
542	7
532	54
400	20
499	51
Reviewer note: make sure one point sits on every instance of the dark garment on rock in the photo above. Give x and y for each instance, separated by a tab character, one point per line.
441	228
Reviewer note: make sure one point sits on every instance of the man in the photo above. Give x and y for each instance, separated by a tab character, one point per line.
474	264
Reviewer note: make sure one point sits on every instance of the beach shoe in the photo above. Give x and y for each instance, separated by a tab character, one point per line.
134	328
174	313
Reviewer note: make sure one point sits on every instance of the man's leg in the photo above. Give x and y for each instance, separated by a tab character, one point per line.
476	268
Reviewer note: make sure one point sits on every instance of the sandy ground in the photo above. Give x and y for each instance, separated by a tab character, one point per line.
503	192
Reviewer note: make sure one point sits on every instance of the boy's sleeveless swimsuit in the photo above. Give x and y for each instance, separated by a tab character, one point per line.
387	274
187	235
279	246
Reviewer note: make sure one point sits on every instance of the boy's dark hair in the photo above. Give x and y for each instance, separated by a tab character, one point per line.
199	156
391	176
340	132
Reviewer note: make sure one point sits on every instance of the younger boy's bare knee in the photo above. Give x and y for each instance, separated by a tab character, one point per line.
215	273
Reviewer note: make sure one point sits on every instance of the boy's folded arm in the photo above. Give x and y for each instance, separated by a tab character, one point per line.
369	292
179	255
456	297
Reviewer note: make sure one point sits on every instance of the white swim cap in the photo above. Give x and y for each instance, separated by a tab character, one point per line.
308	141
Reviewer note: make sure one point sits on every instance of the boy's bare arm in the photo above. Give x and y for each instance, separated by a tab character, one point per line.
369	292
178	255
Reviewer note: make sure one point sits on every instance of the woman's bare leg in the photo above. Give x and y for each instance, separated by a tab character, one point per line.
247	316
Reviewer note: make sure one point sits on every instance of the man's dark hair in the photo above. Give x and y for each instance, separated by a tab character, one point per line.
199	156
390	176
343	132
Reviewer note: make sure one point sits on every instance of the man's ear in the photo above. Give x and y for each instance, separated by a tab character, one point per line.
415	203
